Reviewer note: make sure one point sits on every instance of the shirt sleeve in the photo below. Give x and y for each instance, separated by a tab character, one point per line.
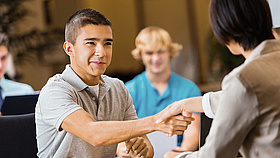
195	92
130	113
56	103
235	116
206	105
210	101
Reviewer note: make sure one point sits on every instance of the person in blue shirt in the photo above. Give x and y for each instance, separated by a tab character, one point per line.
9	87
158	86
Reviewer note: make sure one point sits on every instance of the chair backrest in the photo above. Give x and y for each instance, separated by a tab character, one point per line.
17	105
205	124
18	136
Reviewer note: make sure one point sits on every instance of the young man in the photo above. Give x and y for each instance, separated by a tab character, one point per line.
157	87
247	110
9	87
83	113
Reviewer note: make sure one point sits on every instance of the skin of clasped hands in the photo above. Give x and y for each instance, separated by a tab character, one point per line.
177	112
135	148
173	124
165	122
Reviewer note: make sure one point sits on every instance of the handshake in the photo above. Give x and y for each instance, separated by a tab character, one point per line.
174	119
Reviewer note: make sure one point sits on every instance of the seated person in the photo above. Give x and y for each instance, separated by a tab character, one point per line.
158	86
9	87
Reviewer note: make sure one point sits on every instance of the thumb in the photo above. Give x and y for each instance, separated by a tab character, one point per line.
186	113
171	110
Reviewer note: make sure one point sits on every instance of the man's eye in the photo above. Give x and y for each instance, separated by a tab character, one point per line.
108	43
161	51
91	43
3	58
148	53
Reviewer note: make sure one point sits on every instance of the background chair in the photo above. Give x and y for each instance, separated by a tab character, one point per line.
17	105
18	136
205	124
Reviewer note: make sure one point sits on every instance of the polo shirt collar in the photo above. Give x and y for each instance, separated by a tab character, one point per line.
72	78
166	92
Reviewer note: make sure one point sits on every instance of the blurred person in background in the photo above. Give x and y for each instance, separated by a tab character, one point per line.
158	86
9	87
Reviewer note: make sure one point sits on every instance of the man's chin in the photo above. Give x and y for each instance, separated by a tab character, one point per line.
157	72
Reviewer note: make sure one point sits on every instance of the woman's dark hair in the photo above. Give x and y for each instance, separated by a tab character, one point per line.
247	22
80	19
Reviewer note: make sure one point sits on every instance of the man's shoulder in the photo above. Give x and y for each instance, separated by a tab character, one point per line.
137	79
181	80
111	81
15	84
56	81
16	88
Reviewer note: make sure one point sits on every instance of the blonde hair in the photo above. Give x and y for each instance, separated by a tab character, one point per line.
157	38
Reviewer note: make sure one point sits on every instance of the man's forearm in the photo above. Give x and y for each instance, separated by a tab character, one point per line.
117	131
99	133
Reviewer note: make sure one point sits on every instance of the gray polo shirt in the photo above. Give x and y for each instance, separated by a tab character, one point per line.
65	93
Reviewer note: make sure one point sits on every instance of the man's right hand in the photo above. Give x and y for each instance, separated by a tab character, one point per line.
184	107
174	124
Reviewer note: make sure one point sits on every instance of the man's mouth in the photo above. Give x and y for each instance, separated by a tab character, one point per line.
156	64
99	63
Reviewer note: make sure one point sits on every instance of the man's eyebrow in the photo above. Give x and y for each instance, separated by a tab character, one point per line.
109	39
97	39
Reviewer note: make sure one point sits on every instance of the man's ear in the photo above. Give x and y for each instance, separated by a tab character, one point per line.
68	48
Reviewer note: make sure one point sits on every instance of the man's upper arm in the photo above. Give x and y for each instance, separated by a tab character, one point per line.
78	123
56	104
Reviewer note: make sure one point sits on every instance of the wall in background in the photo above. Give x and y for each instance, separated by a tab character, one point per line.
186	20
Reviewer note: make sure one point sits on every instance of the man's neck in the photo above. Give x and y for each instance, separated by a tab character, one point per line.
159	77
160	80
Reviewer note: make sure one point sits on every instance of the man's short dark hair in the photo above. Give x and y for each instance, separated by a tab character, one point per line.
80	19
247	22
4	40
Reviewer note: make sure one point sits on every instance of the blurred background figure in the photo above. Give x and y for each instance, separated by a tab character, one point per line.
158	86
9	87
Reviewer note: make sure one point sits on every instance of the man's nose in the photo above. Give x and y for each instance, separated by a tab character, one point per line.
155	56
100	50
